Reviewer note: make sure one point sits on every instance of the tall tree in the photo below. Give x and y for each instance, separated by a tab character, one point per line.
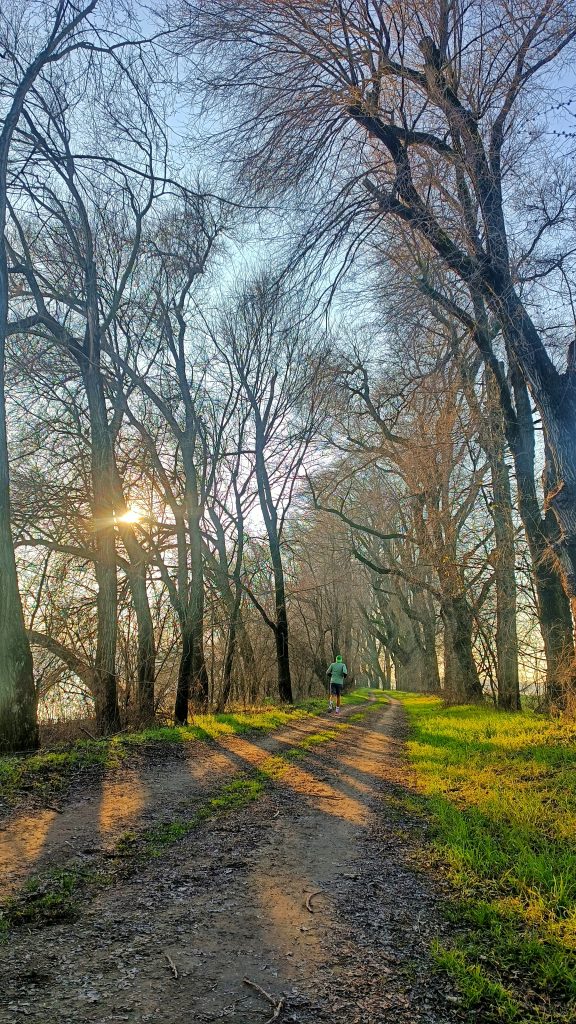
440	93
21	68
269	352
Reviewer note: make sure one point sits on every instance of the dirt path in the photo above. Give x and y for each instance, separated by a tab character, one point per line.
229	902
159	786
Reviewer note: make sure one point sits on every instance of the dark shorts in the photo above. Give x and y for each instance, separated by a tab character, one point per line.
336	688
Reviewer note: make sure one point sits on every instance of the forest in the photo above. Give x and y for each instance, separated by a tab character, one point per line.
287	326
288	511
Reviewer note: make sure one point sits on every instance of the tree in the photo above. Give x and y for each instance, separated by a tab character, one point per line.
267	350
428	119
21	70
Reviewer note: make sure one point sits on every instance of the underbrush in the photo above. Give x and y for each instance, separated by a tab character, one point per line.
46	773
500	790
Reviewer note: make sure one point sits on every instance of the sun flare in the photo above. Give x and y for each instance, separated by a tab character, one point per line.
130	516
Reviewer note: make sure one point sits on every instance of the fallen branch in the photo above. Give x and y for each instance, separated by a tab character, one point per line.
310	898
90	734
173	967
278	1005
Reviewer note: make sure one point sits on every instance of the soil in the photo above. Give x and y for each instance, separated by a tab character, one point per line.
316	892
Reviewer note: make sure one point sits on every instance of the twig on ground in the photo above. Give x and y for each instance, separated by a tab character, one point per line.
52	807
310	898
88	733
278	1004
173	967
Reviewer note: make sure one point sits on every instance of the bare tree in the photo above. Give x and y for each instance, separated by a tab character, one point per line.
22	67
268	351
429	119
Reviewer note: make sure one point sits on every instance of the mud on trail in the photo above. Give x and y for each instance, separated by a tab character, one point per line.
312	892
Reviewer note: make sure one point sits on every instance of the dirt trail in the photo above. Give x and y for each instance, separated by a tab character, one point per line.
150	791
229	902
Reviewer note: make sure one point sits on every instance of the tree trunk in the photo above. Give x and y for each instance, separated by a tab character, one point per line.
411	673
461	681
553	606
198	679
18	704
427	619
146	644
184	676
281	636
146	667
231	645
105	683
504	555
555	397
270	520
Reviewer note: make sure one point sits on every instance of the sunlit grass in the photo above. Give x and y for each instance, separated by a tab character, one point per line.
501	790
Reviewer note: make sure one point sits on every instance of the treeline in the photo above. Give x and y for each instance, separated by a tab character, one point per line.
208	487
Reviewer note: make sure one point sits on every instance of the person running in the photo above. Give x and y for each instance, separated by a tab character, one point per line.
336	673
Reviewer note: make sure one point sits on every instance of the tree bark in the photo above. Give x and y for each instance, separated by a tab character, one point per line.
198	679
271	522
541	533
461	681
18	703
105	683
146	644
504	558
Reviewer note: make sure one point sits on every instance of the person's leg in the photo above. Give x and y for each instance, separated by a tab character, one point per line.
330	698
338	693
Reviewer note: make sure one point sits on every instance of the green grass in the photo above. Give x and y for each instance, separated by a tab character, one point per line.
501	792
50	898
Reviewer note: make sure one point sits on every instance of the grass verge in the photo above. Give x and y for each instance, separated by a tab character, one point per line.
500	790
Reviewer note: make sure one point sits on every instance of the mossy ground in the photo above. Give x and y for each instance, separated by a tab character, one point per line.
500	790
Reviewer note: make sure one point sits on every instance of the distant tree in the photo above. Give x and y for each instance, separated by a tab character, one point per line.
276	366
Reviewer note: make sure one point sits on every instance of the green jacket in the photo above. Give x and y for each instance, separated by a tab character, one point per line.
337	672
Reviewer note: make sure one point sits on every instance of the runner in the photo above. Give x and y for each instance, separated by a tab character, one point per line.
336	673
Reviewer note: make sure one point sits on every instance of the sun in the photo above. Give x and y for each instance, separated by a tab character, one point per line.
130	516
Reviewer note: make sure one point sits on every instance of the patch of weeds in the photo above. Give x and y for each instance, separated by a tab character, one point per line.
237	794
126	843
47	772
476	988
500	792
50	898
